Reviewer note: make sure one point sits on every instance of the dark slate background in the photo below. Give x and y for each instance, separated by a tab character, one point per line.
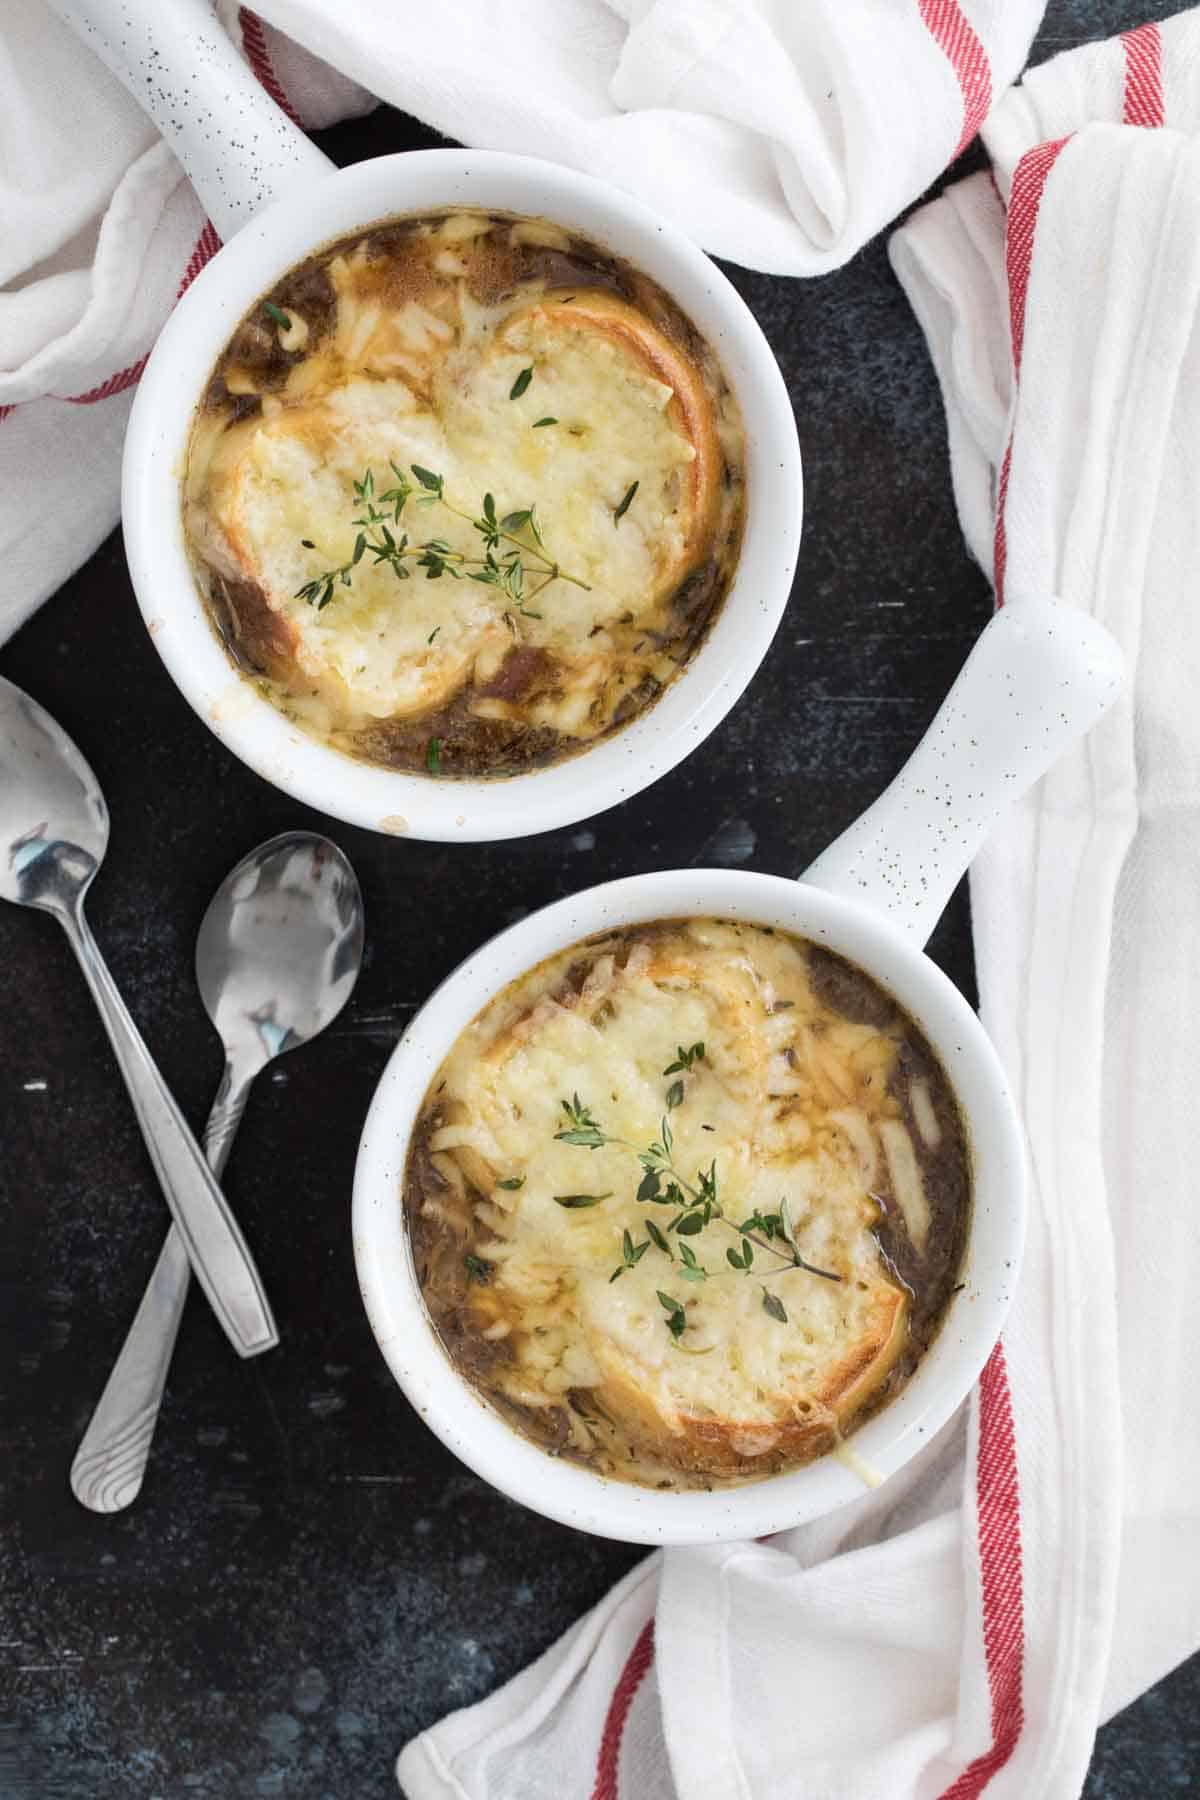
308	1577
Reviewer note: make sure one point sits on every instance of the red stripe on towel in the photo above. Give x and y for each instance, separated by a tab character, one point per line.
1000	546
956	37
998	1500
1025	199
116	384
254	42
206	247
998	1506
631	1679
1024	203
1144	104
208	243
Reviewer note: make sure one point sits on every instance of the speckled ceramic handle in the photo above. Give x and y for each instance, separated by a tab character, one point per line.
239	149
1040	676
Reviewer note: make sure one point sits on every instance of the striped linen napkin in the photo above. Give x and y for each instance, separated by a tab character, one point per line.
965	1628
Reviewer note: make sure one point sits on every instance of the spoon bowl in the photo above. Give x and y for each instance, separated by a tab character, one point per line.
53	820
277	957
53	835
280	946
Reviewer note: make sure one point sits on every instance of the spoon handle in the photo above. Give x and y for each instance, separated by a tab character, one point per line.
215	1246
107	1473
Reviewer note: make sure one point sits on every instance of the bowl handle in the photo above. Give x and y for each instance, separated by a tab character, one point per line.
1038	678
239	149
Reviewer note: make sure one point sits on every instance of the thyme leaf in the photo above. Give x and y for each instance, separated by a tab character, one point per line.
620	511
676	1317
379	511
691	1270
631	1255
582	1128
695	1204
657	1238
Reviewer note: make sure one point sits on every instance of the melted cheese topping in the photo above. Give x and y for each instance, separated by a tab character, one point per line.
789	1100
426	376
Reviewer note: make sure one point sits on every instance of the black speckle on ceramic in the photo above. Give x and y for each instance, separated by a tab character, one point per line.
241	148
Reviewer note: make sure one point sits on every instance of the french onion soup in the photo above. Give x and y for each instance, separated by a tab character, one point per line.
464	493
687	1202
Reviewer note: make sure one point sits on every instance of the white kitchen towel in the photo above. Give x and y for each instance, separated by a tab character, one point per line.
778	135
99	235
964	1628
1076	464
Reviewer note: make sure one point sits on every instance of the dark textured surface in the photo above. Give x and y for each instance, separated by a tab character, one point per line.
308	1577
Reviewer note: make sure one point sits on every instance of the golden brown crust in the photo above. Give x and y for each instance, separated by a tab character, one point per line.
726	1446
708	1443
690	408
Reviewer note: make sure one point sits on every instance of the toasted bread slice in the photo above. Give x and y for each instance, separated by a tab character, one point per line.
663	432
742	1381
279	509
271	506
771	1402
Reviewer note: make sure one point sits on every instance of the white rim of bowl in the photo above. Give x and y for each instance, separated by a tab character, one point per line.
250	726
568	1492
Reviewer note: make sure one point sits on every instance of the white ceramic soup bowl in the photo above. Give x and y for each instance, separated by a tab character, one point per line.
276	199
1039	676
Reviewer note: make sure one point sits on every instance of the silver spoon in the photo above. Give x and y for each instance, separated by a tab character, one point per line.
53	835
276	960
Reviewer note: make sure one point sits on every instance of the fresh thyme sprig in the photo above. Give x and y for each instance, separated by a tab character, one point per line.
696	1204
582	1128
527	561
